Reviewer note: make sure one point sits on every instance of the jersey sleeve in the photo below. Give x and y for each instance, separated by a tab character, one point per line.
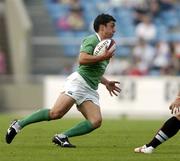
87	47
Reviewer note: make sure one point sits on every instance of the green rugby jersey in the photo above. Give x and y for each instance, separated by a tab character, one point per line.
92	73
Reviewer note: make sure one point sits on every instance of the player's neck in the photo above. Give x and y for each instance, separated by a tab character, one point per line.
101	35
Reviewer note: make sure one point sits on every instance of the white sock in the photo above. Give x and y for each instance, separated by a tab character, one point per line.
17	127
62	135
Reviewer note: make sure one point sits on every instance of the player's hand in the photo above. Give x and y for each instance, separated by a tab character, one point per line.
107	54
175	106
113	87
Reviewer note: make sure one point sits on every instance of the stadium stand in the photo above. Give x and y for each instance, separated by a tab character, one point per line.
165	18
54	49
47	51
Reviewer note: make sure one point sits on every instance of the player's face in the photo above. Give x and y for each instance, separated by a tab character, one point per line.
109	29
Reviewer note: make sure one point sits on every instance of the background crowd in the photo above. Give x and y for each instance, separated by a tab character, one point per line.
154	24
148	33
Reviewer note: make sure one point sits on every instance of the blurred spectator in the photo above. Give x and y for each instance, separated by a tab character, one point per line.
140	9
142	58
70	3
2	63
116	4
64	1
75	3
176	45
127	3
146	29
103	6
154	8
166	4
54	1
161	62
138	15
117	67
73	20
61	1
153	20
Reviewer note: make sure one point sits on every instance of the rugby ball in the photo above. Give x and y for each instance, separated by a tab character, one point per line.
102	45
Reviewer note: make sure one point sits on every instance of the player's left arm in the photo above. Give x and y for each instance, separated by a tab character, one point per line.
112	86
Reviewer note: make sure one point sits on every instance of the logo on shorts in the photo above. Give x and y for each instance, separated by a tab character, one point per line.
70	92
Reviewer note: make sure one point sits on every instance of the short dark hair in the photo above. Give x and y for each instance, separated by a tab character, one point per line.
102	19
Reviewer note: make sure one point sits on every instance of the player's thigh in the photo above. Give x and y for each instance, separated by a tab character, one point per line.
91	112
62	105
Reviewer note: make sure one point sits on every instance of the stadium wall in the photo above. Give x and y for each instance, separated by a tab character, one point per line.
141	97
20	98
19	34
19	94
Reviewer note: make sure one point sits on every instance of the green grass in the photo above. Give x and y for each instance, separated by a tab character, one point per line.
114	141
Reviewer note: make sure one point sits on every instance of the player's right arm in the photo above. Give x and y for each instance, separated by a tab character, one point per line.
86	52
175	105
85	58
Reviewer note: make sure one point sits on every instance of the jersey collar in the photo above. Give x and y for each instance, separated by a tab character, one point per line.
98	36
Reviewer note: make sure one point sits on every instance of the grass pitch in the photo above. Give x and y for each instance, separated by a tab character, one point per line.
114	141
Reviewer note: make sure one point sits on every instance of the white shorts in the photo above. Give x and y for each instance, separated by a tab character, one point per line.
77	88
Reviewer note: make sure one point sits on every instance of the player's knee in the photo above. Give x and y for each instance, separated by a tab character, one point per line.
97	123
54	115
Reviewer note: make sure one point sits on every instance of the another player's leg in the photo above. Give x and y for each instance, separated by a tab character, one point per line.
62	105
168	130
93	120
